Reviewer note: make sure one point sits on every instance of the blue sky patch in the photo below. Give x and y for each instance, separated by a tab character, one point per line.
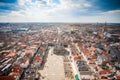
8	1
56	1
105	5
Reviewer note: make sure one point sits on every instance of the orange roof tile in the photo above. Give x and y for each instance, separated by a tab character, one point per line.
105	72
11	54
80	45
86	51
16	69
7	78
94	57
118	76
76	57
37	58
93	48
29	51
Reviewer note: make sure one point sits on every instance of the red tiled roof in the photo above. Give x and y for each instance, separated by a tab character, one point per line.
93	48
118	76
37	58
29	51
86	51
11	54
94	57
76	57
7	78
105	72
80	46
16	69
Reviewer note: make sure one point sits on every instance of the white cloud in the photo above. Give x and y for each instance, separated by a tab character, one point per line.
48	11
112	12
22	2
87	5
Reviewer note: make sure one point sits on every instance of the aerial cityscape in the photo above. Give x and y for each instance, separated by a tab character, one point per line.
59	40
37	51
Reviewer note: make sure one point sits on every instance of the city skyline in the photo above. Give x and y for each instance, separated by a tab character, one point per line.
60	11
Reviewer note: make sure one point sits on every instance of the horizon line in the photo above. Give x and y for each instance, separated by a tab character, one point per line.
62	22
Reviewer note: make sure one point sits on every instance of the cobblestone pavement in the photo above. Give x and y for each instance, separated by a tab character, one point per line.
54	68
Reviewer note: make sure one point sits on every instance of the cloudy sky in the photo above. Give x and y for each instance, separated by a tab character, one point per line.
60	11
